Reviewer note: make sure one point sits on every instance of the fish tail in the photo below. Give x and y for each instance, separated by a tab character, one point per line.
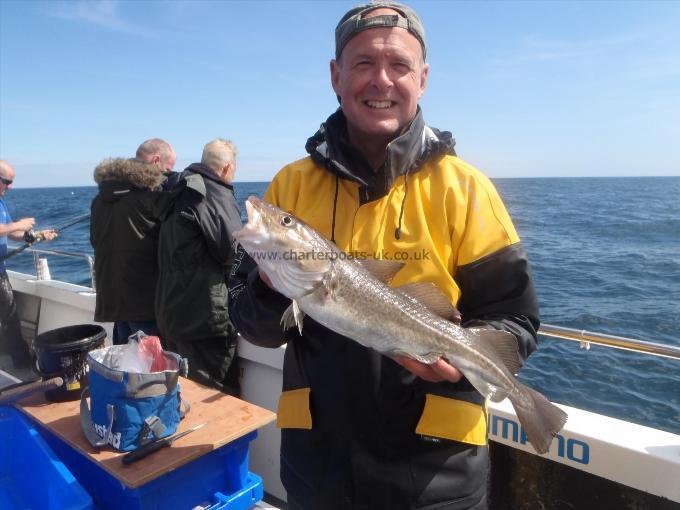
540	418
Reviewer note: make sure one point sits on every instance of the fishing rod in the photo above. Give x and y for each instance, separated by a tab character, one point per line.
72	221
32	238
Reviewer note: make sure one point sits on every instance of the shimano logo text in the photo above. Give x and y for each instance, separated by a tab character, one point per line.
510	430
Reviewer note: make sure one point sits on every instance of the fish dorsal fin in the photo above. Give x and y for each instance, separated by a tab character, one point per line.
383	270
434	299
497	344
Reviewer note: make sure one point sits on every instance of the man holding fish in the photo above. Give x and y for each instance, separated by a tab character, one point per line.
395	418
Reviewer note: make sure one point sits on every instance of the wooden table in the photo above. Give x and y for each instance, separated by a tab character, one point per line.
226	418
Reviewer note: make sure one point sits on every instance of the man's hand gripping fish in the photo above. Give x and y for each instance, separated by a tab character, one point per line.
352	297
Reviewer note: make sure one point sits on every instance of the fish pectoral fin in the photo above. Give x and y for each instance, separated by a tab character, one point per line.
295	282
383	270
288	318
299	315
293	316
434	299
497	344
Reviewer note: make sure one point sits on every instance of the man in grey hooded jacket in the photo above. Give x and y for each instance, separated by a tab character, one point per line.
195	254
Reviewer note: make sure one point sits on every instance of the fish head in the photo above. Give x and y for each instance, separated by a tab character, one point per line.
292	254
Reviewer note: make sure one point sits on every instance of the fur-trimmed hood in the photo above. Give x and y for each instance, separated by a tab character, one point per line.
131	171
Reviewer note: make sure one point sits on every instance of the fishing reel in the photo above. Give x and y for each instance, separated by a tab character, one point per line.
30	236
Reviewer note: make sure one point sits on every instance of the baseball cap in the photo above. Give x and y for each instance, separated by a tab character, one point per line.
354	22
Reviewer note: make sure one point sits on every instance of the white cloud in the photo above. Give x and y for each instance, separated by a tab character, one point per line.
642	56
102	13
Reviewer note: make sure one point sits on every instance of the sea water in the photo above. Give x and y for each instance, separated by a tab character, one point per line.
605	254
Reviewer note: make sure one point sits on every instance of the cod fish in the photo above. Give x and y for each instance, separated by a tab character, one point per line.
352	297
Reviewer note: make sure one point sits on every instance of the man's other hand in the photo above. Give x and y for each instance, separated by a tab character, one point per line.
25	224
438	371
47	235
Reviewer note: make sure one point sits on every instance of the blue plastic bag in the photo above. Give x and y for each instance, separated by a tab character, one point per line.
129	409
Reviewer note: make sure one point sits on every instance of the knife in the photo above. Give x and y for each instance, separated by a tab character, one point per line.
148	448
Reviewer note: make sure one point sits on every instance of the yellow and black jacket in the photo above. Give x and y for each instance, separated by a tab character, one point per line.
359	431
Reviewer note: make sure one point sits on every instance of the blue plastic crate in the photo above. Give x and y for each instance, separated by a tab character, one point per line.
31	476
242	499
222	471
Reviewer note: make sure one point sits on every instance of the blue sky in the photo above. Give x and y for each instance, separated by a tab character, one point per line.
527	88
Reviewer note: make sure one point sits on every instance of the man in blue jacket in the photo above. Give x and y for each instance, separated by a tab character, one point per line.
11	339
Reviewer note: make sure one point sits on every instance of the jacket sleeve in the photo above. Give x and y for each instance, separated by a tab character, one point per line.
497	291
165	201
217	227
232	218
492	270
93	223
254	308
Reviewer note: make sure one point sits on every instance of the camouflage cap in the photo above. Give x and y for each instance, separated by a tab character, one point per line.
354	22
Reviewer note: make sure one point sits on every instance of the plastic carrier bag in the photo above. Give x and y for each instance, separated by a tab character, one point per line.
130	407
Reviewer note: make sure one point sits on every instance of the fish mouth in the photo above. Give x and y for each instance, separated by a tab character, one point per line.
260	211
255	220
253	206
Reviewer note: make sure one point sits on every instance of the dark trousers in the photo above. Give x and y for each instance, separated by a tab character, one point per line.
212	361
295	505
11	341
123	329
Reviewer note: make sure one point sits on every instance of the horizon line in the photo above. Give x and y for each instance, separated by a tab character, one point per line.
492	178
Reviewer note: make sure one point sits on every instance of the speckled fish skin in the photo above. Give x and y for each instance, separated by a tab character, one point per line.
344	296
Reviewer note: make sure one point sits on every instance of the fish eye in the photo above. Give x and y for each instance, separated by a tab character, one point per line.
287	221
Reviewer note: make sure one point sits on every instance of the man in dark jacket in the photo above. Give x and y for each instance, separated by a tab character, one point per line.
361	430
195	256
124	228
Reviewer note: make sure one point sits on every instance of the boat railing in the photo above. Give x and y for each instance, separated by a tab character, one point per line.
586	338
583	337
40	269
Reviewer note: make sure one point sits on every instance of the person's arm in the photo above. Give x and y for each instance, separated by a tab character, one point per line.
254	307
40	235
498	292
494	279
217	226
16	229
48	234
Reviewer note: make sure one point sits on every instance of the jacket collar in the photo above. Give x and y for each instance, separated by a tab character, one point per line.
128	173
206	172
405	154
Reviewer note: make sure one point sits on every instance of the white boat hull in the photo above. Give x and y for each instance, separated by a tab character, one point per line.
643	459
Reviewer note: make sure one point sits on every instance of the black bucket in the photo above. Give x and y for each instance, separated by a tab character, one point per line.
63	352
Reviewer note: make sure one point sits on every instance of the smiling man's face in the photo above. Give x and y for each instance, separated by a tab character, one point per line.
379	77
